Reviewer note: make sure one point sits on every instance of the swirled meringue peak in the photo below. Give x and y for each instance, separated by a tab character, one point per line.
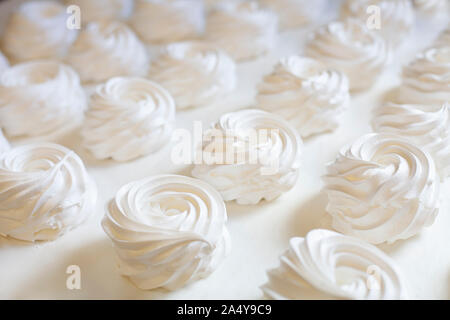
242	29
128	118
164	21
98	10
195	73
4	64
37	30
249	155
328	265
382	189
108	49
168	231
48	91
44	192
348	46
4	144
305	92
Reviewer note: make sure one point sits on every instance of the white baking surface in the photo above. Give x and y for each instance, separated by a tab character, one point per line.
259	233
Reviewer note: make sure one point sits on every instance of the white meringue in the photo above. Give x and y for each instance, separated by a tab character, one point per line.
383	188
348	46
108	49
4	64
305	92
44	192
242	29
328	265
37	30
40	98
195	73
4	144
168	231
164	21
103	9
128	118
432	7
250	155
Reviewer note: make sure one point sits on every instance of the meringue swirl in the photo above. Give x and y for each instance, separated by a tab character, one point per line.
4	144
382	188
44	192
305	92
98	10
194	73
168	231
128	118
47	90
328	265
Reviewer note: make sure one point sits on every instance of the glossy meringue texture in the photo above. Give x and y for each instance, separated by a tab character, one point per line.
47	90
250	155
37	30
328	265
167	230
195	73
382	189
4	144
306	93
45	191
128	117
99	10
108	49
348	46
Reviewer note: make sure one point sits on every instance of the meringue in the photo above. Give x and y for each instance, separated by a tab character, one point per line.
432	7
128	118
48	91
167	230
4	144
98	10
328	265
249	155
305	92
164	21
348	46
383	188
194	73
45	191
37	30
108	49
242	29
4	64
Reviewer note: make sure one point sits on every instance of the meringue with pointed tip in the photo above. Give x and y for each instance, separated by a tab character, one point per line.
98	10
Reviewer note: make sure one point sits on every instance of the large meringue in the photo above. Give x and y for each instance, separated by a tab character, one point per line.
98	10
164	21
328	265
4	64
37	30
194	73
108	49
168	231
44	192
250	155
242	29
128	118
348	46
383	188
305	92
40	98
4	144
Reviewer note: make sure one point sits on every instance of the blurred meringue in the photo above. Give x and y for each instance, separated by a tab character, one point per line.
98	10
4	64
4	144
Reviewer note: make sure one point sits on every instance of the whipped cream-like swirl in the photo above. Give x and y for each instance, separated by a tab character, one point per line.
40	98
328	265
250	155
4	144
128	118
305	92
44	192
4	64
108	49
382	188
98	10
195	73
168	231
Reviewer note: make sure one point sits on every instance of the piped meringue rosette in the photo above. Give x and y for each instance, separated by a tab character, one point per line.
195	73
128	117
44	192
4	64
4	144
108	49
98	10
40	98
37	30
348	46
249	155
167	230
242	29
382	189
306	93
328	265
